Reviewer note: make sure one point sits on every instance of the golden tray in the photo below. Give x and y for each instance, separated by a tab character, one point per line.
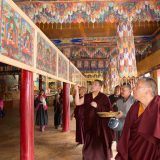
107	114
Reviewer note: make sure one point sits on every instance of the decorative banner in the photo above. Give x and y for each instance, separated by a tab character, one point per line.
91	11
113	70
62	67
126	49
110	75
90	41
107	81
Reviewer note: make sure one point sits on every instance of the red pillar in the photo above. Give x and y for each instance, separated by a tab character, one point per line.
26	116
66	107
40	82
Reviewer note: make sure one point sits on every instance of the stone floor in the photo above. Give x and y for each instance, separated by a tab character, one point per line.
49	145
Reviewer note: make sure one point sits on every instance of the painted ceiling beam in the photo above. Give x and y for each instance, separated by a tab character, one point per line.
91	11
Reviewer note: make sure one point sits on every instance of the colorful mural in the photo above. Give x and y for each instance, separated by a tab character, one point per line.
101	64
27	41
77	77
88	58
17	40
10	32
93	64
17	36
155	43
71	72
86	64
62	67
46	56
40	53
79	64
85	52
53	61
144	50
92	11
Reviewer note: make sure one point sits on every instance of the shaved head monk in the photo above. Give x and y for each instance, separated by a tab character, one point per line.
140	138
97	135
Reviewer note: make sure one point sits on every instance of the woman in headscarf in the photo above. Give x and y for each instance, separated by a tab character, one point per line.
41	107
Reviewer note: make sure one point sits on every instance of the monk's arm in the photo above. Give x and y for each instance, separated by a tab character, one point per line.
78	100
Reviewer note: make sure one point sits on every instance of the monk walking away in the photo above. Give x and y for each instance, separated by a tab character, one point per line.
140	138
97	135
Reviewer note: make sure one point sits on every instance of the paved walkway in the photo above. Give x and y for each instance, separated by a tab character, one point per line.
50	145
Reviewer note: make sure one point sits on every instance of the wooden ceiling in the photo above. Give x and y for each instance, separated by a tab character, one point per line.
88	30
61	31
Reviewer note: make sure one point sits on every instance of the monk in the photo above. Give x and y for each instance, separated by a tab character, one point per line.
98	136
114	97
79	116
140	138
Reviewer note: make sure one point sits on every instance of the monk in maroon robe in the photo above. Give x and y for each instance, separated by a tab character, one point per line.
98	136
79	116
140	138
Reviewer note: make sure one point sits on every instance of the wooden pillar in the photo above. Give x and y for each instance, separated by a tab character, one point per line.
27	116
40	82
66	107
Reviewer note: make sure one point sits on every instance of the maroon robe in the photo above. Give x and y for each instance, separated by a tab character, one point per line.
79	116
140	138
98	136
